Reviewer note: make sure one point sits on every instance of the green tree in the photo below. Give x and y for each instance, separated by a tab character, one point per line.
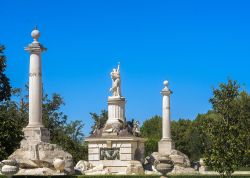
180	131
227	132
188	136
152	130
10	130
99	120
5	88
69	135
71	138
198	140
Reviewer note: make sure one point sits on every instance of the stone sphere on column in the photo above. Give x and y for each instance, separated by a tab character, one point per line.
35	34
165	83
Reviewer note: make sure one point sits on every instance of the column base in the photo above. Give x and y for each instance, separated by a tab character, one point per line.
34	135
116	114
165	146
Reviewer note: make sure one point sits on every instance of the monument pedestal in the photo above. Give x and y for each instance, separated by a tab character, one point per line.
36	152
115	153
165	146
36	134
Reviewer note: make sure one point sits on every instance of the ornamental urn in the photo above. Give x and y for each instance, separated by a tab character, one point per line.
9	167
164	165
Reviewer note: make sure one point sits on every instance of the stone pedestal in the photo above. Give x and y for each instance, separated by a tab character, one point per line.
165	146
125	150
36	134
116	113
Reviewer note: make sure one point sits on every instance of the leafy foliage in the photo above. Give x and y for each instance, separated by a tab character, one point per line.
99	120
229	131
152	128
5	88
14	117
69	135
187	136
10	130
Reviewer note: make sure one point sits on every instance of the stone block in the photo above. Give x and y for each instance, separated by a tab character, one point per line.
34	135
102	145
126	145
94	157
126	151
134	167
165	147
93	145
116	145
93	150
177	159
117	169
114	163
126	157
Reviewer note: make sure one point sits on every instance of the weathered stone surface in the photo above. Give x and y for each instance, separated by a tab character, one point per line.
83	166
33	135
183	170
165	146
9	167
27	164
42	155
179	158
203	166
181	163
164	164
98	170
37	171
134	167
59	164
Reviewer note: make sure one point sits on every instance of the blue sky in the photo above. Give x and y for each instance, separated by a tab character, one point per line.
192	43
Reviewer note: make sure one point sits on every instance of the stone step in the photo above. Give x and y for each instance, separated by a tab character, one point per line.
116	169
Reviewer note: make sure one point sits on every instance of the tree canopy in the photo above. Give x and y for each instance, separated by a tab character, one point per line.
5	88
228	132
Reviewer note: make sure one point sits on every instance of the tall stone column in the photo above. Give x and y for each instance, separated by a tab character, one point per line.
165	145
35	130
35	150
35	81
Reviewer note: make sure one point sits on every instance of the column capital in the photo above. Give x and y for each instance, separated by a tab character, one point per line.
166	91
35	46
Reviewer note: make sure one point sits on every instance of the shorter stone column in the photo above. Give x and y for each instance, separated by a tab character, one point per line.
165	145
116	114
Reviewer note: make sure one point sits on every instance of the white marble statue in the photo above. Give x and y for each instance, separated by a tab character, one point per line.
116	82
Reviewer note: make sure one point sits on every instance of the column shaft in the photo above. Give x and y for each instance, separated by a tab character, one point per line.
35	91
166	132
